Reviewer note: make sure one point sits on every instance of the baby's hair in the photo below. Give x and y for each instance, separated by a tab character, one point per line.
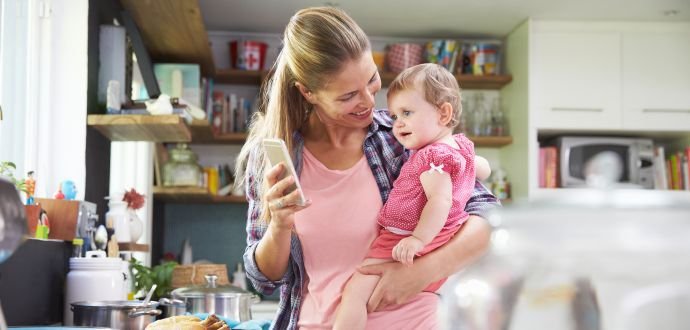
437	84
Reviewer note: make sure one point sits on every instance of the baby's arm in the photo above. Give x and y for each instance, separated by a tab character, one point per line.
439	191
481	168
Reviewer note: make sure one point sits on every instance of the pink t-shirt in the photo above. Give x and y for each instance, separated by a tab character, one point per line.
335	233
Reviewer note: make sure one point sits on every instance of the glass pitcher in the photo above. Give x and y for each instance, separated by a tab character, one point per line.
587	259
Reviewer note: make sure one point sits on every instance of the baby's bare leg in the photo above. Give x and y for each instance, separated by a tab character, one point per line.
352	312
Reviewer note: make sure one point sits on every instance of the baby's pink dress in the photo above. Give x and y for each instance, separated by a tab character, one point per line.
401	213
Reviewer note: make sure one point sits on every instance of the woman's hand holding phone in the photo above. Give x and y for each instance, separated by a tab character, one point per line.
284	196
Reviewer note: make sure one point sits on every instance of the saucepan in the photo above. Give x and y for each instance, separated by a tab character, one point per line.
225	300
115	314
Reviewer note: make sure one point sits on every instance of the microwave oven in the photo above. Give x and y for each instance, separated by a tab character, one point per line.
636	156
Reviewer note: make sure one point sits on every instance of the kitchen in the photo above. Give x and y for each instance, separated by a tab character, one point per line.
521	62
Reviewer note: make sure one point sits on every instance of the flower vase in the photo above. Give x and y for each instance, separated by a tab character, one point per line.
136	226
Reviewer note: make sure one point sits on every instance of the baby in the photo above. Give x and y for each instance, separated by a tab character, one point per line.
426	205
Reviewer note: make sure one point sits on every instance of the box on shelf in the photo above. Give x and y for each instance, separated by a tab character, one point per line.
180	80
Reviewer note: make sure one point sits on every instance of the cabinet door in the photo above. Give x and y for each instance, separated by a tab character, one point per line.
656	80
576	80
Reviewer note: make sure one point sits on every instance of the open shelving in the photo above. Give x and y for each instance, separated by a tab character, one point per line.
466	81
193	195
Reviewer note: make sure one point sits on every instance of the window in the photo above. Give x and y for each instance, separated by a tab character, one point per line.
43	75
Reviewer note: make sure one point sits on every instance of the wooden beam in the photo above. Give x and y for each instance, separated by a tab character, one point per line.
173	31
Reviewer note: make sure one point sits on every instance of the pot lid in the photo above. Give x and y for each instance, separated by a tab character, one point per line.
211	288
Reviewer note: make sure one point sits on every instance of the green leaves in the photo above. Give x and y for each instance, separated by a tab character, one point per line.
7	170
145	277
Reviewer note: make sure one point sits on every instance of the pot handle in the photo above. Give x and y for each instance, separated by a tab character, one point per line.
170	302
150	312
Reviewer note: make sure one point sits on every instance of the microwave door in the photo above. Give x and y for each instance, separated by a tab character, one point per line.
581	158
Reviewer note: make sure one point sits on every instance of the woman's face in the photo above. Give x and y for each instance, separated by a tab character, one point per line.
347	99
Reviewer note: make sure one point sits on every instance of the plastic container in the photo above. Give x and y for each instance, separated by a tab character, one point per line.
93	278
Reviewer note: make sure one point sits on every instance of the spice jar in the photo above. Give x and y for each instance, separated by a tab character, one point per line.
181	169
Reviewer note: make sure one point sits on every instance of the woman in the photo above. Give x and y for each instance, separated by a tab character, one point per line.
320	100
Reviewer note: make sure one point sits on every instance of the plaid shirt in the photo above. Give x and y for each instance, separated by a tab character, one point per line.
385	156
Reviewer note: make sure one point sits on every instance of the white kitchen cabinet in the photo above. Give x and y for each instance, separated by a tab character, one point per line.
656	80
575	80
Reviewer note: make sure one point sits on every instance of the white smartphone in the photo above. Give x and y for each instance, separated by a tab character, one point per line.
276	152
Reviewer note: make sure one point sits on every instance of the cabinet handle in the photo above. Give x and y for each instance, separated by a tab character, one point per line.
667	110
578	109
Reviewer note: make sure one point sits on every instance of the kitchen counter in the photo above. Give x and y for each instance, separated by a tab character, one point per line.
265	310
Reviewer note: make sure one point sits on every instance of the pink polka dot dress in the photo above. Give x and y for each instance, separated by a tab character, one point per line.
401	213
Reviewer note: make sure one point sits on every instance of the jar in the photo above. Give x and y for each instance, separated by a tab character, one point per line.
181	169
93	278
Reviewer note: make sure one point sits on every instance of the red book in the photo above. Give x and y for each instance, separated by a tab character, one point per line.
542	162
551	167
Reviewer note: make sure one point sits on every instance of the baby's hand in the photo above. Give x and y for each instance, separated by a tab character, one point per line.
406	249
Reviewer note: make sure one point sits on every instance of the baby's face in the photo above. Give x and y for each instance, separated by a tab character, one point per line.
417	122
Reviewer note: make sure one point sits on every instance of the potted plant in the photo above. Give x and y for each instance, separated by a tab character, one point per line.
7	170
145	277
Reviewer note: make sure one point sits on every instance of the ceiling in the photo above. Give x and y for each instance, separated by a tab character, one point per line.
437	18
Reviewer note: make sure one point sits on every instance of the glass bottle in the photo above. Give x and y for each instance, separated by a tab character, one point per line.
477	118
182	168
497	120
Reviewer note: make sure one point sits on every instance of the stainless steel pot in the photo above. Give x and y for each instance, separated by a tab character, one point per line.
172	307
115	314
227	301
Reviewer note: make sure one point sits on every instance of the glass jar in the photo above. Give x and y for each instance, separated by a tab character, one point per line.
181	169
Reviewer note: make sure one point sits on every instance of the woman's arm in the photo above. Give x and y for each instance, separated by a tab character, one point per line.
399	283
267	255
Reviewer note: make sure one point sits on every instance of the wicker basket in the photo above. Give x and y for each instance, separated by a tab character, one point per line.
188	275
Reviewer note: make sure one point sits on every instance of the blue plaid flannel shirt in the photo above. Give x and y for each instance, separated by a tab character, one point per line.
385	156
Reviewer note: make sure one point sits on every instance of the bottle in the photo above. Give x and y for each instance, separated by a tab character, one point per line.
497	122
77	246
477	119
239	279
499	185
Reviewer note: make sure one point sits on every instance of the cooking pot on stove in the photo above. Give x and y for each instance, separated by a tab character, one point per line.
584	259
224	300
128	314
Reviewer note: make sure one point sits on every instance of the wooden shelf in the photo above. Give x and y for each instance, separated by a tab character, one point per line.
202	134
491	141
173	31
193	195
240	77
466	81
163	128
133	247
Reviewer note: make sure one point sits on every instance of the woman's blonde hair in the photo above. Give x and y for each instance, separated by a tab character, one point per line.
317	42
437	83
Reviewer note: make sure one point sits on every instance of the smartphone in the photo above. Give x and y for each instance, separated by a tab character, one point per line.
276	152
